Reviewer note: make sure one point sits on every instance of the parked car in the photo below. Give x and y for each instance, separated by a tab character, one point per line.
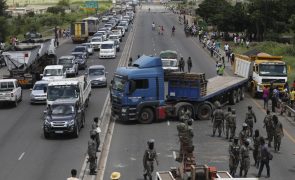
96	42
89	48
81	60
39	92
80	50
69	64
97	75
10	91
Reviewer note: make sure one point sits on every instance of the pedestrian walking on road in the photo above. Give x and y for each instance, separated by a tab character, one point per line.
181	64
73	175
265	157
256	148
234	156
274	99
245	158
278	133
218	120
269	126
265	96
130	61
115	176
92	154
150	155
250	119
189	64
96	130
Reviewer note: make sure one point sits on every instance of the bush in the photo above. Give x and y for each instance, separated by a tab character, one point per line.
56	10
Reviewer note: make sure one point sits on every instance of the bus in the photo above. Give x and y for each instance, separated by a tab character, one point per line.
92	24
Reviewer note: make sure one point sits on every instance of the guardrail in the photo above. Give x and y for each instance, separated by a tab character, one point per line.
216	53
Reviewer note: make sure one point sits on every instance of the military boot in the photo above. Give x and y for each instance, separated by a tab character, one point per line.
145	177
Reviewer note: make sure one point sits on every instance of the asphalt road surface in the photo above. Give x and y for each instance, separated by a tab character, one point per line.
129	139
26	154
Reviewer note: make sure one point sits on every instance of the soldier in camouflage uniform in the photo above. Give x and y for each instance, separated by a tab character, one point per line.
250	119
256	148
232	124
92	154
234	156
244	134
96	130
150	155
268	125
185	134
278	133
227	119
218	118
245	158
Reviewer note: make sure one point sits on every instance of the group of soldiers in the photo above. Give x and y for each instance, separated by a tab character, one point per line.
181	64
239	149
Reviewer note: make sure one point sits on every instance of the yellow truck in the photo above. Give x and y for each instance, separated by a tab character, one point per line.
79	32
266	69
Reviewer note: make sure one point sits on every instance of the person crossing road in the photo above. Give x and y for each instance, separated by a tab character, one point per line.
189	64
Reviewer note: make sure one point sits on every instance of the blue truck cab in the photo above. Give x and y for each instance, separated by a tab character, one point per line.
137	91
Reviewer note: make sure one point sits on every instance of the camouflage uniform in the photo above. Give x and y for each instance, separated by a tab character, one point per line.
185	134
150	155
232	124
278	134
92	155
227	119
250	119
245	159
244	134
268	124
218	118
234	157
256	149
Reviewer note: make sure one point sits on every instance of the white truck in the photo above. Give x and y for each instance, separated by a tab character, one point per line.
71	88
10	91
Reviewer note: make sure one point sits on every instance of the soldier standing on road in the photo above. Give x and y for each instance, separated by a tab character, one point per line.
189	64
96	130
232	124
218	119
245	158
278	133
181	65
250	119
234	156
150	155
265	157
227	119
268	124
256	150
92	154
244	134
130	61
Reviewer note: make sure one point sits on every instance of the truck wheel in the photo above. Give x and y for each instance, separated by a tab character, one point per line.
204	111
233	97
239	95
76	132
146	116
180	111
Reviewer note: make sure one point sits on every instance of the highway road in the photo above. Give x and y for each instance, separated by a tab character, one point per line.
26	154
129	139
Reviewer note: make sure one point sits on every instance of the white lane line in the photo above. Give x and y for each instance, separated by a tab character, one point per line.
168	123
174	154
21	156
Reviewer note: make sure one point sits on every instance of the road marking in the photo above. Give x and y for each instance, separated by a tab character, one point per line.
174	155
21	156
168	123
285	131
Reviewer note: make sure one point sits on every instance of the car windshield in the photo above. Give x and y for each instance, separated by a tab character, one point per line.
113	37
96	40
40	86
53	72
67	63
62	92
167	63
79	49
118	84
272	70
6	86
63	109
106	46
79	56
96	72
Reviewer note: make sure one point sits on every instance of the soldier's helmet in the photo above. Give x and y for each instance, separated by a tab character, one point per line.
233	111
249	107
151	143
245	125
247	142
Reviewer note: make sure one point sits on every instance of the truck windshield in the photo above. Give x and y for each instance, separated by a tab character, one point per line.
62	109
272	70
62	92
167	63
6	86
53	72
118	84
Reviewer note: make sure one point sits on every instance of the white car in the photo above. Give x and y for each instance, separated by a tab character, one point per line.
89	48
38	93
118	33
105	34
122	28
107	50
10	91
116	39
53	72
96	42
124	24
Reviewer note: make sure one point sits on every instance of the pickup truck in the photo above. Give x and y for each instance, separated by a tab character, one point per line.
10	91
63	117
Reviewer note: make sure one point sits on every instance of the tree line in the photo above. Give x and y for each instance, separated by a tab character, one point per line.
266	19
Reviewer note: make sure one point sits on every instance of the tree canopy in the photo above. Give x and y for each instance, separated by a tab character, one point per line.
3	7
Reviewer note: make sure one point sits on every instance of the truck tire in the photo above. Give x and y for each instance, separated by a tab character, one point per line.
146	116
76	132
233	97
181	106
204	111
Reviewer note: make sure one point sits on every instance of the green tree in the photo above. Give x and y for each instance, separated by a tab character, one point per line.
3	29
292	27
3	7
65	3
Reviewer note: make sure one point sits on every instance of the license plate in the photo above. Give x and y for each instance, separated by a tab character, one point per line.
59	132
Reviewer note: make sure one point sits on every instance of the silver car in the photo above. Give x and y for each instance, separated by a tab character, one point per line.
38	93
89	48
97	76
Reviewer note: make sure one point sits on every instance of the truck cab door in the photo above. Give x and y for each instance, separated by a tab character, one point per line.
139	91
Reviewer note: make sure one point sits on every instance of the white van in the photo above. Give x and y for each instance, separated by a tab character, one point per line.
53	72
107	50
